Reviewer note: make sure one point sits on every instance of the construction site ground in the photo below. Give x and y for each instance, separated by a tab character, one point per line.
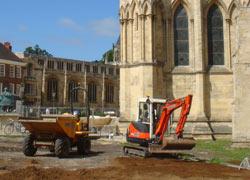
106	161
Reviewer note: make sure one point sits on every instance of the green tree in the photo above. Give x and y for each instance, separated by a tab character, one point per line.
36	50
109	55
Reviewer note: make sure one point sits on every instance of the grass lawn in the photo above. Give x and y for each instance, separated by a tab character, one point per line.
221	151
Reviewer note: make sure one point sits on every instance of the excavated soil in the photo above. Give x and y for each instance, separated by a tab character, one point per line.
107	162
134	168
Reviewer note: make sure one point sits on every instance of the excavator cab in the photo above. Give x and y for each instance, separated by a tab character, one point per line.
152	129
149	112
144	110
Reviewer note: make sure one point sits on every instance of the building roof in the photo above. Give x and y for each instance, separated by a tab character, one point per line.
6	54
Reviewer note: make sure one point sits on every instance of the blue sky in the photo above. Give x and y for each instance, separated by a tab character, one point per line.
77	29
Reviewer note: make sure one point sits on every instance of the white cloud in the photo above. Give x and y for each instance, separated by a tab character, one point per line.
70	24
108	27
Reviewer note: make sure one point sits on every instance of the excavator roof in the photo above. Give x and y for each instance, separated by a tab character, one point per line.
153	100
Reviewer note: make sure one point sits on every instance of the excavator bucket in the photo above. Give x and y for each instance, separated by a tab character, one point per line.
171	143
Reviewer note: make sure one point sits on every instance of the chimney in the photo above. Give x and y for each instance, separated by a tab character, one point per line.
8	46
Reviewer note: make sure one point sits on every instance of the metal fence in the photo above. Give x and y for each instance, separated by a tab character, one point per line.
37	112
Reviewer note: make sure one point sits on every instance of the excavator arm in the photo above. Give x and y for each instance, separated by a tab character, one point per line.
167	110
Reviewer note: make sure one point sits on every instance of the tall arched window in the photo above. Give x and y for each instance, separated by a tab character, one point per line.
52	90
74	95
29	70
92	91
215	36
109	93
181	39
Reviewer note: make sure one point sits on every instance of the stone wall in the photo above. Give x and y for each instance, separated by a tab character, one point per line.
241	120
138	82
42	73
152	50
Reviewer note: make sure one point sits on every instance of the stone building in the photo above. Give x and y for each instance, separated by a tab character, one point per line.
117	51
171	48
11	70
49	80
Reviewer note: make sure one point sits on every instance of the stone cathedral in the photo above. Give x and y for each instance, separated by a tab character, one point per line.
172	48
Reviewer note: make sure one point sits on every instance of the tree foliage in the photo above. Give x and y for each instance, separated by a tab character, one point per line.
109	55
36	50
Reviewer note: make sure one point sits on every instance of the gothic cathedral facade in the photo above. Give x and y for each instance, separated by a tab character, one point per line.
171	48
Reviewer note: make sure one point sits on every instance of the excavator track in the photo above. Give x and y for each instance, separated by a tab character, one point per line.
136	151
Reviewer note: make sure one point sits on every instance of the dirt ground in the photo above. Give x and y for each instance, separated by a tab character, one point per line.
105	162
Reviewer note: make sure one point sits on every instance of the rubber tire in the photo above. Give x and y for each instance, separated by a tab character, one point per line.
62	147
28	145
87	148
83	146
80	146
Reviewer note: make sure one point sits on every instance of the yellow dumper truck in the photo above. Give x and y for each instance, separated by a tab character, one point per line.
59	134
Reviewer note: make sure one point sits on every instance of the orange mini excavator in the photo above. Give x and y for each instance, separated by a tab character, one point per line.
150	134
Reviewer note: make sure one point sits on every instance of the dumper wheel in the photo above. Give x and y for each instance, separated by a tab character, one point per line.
62	146
83	146
87	148
28	145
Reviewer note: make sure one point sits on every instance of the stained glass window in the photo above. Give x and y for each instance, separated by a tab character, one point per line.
72	96
215	36
92	92
52	90
181	39
109	93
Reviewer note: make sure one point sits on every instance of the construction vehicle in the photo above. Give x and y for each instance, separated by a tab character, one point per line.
58	133
150	134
